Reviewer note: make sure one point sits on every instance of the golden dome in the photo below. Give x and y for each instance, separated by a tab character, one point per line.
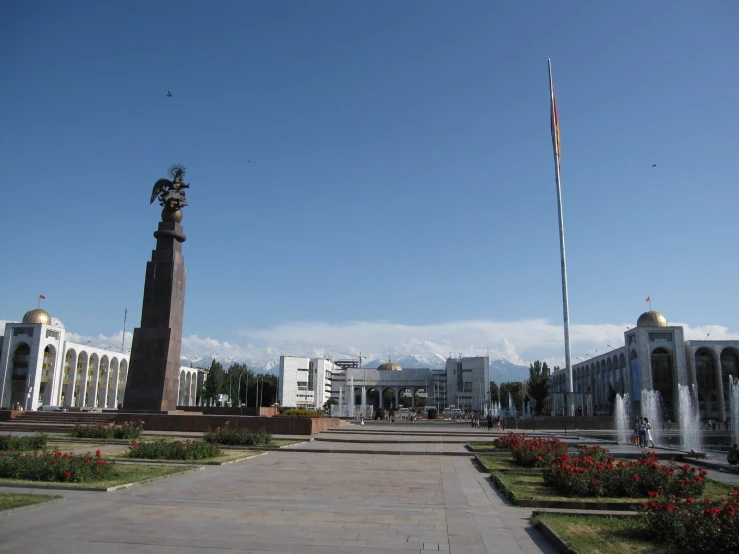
651	319
37	316
389	366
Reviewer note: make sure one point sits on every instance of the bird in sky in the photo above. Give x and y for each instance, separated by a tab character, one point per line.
654	165
169	93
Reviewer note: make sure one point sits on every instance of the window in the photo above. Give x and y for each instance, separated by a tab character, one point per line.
23	331
632	339
660	336
52	334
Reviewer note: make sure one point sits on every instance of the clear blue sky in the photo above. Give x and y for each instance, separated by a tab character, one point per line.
400	159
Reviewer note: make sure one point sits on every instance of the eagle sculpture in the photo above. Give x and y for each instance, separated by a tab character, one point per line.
171	193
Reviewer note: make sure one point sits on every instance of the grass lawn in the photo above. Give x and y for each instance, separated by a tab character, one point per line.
481	447
128	473
602	534
12	501
283	442
528	486
228	456
492	463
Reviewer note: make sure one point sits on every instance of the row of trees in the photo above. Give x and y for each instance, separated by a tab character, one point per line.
241	384
536	390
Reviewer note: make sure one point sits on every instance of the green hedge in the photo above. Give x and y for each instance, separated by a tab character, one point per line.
300	412
17	444
238	437
173	450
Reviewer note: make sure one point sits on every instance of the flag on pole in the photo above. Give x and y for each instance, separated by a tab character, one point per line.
649	298
41	297
556	138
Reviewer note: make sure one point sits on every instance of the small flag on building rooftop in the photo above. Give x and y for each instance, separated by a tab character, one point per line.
41	297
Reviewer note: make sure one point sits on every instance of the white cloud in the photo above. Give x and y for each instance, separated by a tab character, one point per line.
518	341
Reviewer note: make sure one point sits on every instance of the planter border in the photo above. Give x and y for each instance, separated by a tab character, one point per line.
144	461
54	500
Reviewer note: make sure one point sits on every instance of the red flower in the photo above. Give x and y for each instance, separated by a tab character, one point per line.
636	477
690	500
97	453
67	474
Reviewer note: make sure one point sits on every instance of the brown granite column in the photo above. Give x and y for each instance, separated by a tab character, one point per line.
154	367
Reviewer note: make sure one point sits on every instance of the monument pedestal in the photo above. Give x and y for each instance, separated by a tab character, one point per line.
154	367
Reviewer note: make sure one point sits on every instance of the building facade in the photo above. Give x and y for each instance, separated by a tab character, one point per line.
656	356
310	382
40	367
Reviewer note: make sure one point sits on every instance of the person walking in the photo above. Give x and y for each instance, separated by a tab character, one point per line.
649	437
490	422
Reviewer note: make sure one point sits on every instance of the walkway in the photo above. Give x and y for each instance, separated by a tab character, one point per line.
289	503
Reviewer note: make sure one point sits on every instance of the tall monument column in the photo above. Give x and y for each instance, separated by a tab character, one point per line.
154	366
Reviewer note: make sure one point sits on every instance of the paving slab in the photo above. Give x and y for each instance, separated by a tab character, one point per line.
291	503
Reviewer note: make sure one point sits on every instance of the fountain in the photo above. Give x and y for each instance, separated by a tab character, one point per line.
689	418
734	406
341	401
511	406
651	408
623	418
352	401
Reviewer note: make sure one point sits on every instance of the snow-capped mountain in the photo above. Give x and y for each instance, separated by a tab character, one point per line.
432	361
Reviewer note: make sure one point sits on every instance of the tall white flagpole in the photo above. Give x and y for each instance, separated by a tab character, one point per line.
565	302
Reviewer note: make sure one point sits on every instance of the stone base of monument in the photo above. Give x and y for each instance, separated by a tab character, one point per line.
200	423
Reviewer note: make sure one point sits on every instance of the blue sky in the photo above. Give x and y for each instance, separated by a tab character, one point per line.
376	165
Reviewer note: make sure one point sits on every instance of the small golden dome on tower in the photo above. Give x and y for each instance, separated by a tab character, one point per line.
651	319
37	315
389	366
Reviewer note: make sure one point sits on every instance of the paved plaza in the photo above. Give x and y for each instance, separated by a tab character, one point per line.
291	502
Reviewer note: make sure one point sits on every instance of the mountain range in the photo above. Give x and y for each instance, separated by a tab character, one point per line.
501	370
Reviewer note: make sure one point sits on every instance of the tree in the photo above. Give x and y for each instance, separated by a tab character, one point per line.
512	389
330	402
494	389
214	381
538	384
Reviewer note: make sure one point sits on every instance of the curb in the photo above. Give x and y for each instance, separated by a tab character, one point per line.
194	463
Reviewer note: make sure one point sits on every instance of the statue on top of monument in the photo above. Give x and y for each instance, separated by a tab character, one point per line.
171	194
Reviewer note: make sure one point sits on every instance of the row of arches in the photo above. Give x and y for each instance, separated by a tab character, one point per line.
188	388
708	369
391	397
87	380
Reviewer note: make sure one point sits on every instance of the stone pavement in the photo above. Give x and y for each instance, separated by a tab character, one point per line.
288	502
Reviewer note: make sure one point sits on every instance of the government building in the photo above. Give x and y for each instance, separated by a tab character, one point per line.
464	383
40	367
654	356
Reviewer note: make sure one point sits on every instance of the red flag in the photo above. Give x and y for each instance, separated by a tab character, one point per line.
649	298
42	297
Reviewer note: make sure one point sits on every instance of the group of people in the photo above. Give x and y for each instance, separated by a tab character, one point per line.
715	425
476	422
643	433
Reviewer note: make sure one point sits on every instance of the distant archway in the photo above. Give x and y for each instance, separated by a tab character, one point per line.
663	380
19	374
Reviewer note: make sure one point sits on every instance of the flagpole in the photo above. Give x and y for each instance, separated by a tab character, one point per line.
563	258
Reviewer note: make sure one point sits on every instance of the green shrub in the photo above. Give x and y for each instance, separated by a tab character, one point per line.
433	413
55	466
300	412
380	413
16	444
237	437
125	430
173	450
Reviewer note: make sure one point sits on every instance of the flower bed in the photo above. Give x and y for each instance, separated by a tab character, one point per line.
125	430
16	444
538	452
55	466
173	450
695	525
237	437
511	441
590	473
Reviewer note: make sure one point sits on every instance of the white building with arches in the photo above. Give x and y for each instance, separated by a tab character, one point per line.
656	356
40	367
